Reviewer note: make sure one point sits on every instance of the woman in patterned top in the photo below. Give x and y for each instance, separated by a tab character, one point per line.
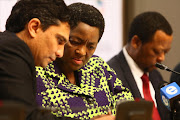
81	85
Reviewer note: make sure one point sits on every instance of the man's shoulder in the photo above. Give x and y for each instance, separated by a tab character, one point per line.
116	58
15	54
10	40
117	61
6	35
10	43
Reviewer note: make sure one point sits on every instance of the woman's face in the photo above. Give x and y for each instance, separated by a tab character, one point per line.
82	44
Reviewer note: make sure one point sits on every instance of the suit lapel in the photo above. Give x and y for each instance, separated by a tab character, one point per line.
129	79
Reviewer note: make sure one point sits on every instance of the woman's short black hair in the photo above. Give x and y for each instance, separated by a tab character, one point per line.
88	14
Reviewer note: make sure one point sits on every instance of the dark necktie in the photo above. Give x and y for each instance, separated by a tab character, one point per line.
147	96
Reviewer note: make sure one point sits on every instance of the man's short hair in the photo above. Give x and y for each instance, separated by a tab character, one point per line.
146	24
47	11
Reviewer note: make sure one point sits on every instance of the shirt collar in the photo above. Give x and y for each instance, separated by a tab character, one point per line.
133	66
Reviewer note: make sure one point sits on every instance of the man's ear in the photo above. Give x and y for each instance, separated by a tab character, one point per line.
34	26
135	42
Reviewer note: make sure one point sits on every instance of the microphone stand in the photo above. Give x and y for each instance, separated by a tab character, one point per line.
173	71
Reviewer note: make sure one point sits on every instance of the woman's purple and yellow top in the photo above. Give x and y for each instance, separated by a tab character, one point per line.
99	89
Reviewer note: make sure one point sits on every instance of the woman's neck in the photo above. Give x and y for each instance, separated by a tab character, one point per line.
71	77
67	72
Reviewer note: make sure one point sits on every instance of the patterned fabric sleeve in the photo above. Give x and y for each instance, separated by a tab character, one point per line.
118	91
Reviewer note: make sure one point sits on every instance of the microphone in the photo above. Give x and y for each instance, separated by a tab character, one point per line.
163	67
170	94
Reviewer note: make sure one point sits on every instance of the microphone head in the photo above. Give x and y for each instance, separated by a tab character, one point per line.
161	66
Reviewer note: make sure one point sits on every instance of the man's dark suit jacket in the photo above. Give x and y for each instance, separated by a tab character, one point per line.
120	65
18	76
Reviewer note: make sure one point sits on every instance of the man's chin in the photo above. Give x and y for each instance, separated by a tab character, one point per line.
150	69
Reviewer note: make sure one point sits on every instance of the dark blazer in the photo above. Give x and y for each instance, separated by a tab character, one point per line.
18	76
120	65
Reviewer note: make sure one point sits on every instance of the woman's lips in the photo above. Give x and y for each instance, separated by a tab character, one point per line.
77	61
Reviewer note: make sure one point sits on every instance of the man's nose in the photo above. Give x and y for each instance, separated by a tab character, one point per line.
161	57
60	52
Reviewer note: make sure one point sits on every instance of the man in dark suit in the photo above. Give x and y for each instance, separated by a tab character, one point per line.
36	32
150	38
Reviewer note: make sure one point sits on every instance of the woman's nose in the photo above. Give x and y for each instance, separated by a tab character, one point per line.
81	50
